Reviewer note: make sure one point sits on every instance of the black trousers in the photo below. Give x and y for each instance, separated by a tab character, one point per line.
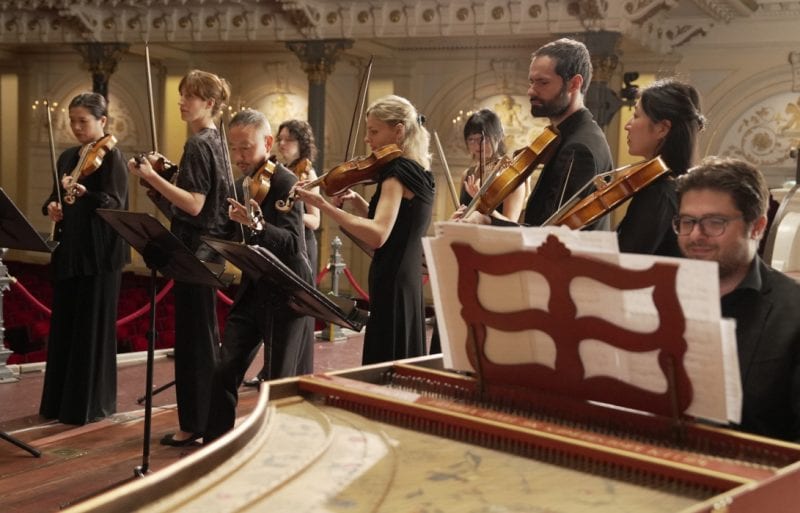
286	343
196	352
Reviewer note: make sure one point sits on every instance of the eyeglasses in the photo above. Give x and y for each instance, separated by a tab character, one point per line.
710	226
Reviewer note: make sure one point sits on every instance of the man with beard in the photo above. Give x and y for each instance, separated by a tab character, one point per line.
722	217
259	310
559	77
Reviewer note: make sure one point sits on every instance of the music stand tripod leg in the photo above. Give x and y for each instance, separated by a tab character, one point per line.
154	259
22	445
157	390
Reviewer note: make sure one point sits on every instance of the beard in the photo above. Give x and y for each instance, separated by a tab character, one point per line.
553	108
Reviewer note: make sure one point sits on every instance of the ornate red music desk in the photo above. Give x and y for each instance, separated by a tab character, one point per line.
413	437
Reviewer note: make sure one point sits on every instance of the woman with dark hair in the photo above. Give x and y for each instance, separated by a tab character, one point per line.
297	151
198	203
80	382
484	125
665	123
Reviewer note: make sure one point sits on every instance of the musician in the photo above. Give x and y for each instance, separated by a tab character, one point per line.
393	222
296	150
484	127
80	382
559	76
722	216
665	122
198	206
260	311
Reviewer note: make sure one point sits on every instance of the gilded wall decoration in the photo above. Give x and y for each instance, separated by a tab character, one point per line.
764	134
282	106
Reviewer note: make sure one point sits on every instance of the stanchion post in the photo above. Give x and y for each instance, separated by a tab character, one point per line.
333	332
6	376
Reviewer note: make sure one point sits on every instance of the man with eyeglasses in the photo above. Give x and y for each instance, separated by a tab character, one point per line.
722	216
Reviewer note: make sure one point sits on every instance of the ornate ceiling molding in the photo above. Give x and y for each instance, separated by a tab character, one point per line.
661	25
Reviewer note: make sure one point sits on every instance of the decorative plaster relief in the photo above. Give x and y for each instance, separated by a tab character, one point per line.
764	134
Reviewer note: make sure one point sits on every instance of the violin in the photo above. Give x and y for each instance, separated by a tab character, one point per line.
624	183
256	187
91	158
355	171
166	170
504	181
302	168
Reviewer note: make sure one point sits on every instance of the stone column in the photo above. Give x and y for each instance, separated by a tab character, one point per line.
101	60
600	98
317	59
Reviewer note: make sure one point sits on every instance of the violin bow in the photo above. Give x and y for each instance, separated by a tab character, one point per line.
473	205
150	103
566	180
53	162
352	140
229	168
448	176
481	158
358	111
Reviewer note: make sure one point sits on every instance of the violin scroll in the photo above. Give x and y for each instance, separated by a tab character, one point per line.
91	158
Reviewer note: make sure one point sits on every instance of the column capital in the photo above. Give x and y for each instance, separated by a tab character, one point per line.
318	57
101	60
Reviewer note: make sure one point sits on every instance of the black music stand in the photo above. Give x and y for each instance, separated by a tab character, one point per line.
163	253
15	233
260	264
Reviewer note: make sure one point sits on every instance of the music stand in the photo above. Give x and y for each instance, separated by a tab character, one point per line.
259	263
163	253
15	233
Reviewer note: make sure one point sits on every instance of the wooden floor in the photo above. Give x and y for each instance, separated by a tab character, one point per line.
79	461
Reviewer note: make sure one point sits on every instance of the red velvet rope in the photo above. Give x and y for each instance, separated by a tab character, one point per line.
146	308
322	274
128	318
25	292
354	283
225	299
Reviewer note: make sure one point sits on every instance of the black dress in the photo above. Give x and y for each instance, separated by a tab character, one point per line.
80	383
647	225
202	169
396	326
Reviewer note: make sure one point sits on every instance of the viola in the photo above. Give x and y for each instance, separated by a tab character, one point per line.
505	180
91	158
359	170
624	183
256	187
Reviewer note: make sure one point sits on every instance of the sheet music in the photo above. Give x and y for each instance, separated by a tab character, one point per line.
710	360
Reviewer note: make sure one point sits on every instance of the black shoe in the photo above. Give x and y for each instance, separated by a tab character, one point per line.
252	382
169	439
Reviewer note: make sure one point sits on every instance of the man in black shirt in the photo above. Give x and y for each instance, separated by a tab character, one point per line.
259	310
722	217
559	76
